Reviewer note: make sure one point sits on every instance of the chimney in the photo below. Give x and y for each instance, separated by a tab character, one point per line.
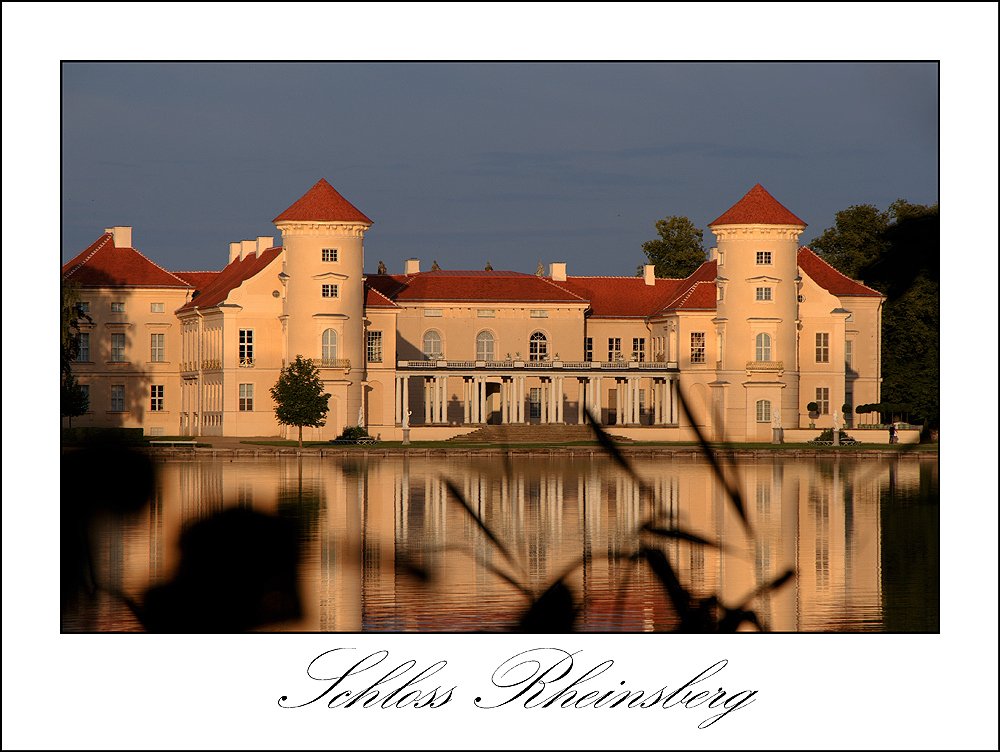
123	236
557	270
649	274
247	248
234	252
412	266
263	243
713	254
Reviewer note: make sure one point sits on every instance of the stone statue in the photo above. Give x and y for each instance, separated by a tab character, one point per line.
435	267
836	421
361	415
540	271
776	418
489	267
406	418
382	269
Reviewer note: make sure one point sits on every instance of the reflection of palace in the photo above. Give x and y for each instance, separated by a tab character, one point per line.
759	331
367	524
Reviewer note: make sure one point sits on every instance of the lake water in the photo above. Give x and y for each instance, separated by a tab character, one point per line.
383	547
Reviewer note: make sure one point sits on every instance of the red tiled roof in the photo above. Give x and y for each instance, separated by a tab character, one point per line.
472	286
697	292
102	264
758	207
375	299
235	274
198	280
322	203
621	297
830	279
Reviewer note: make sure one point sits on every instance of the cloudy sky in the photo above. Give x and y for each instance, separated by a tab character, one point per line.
465	163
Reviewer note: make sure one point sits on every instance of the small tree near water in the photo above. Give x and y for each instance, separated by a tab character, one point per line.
298	396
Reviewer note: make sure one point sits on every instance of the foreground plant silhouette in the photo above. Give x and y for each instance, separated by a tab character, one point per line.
555	608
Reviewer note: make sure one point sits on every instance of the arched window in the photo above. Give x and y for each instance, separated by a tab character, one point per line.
484	346
763	411
538	347
432	346
764	348
329	345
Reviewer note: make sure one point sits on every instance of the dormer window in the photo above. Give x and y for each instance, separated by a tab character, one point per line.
763	258
329	254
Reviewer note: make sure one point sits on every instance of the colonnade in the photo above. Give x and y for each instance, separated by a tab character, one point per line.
640	400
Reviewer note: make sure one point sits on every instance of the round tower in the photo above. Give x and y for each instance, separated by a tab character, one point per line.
323	313
757	316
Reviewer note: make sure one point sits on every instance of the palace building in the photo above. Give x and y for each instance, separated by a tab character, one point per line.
757	333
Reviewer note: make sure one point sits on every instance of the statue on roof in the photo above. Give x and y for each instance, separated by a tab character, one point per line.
435	267
489	267
540	271
382	269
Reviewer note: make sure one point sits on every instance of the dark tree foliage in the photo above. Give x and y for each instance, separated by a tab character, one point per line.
73	400
298	396
678	251
897	252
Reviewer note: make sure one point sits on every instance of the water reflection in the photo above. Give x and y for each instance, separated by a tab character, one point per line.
383	548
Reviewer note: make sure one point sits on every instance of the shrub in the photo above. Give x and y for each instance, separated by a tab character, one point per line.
353	433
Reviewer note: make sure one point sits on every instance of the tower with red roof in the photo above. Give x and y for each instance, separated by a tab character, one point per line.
323	317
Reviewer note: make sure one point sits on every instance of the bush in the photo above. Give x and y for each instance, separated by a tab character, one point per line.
812	407
827	435
353	433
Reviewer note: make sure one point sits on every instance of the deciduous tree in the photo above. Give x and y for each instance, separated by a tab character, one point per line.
298	396
678	251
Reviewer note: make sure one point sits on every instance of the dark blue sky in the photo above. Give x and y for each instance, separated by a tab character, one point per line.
467	163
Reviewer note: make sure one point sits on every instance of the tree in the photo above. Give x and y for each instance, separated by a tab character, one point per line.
298	396
73	399
897	252
678	251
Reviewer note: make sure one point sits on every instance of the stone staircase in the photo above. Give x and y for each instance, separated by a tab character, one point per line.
529	434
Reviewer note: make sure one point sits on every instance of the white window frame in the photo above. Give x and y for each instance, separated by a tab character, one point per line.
764	258
538	346
373	346
639	348
246	348
538	313
535	402
823	399
433	345
118	348
763	411
330	344
157	352
486	346
699	347
763	295
330	290
156	398
117	398
822	347
156	307
330	255
83	347
849	354
118	306
246	398
588	350
762	348
614	349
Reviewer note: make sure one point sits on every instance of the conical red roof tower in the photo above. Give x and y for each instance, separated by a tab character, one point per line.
322	203
758	207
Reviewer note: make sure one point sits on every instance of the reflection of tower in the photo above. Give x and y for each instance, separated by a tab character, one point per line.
757	312
323	314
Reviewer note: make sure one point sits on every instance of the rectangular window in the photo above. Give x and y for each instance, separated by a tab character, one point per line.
822	347
614	349
329	254
86	393
763	257
535	403
117	348
118	307
374	347
156	348
156	307
155	398
639	349
849	355
539	314
763	411
588	349
486	313
246	398
823	399
722	293
83	306
642	402
246	347
763	293
697	347
117	398
83	350
331	291
432	312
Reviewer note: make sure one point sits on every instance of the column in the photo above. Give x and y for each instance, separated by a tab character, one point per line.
465	400
559	400
636	381
546	387
519	404
406	401
581	396
598	409
427	400
482	399
443	402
